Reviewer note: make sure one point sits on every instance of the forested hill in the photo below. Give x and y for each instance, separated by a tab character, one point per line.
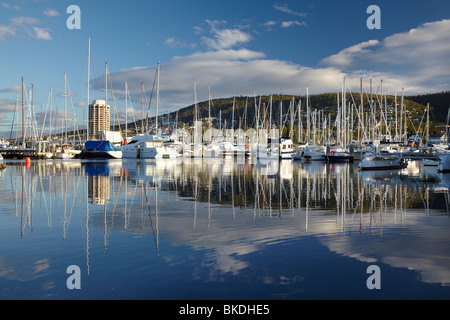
245	107
439	104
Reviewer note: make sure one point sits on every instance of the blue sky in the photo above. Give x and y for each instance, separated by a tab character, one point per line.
233	47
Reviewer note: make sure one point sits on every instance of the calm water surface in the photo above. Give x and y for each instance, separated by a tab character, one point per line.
210	229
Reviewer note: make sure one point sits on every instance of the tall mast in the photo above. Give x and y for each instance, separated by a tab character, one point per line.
428	123
126	111
157	100
88	85
106	84
65	107
406	116
23	117
308	123
361	115
209	107
142	107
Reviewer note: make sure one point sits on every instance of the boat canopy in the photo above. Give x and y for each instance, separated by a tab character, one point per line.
100	146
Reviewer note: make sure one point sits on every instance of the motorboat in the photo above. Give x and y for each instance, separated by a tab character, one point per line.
149	146
444	163
314	153
286	148
339	156
382	161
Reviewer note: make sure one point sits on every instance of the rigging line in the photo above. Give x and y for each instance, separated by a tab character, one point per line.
151	96
73	110
115	107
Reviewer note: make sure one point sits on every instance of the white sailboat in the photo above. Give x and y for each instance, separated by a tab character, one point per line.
148	145
66	151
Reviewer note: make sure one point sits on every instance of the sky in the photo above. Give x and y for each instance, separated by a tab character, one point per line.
220	48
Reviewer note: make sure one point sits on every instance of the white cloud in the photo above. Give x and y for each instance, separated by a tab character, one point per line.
270	23
12	89
421	54
6	31
347	56
287	24
24	25
51	12
284	8
227	38
42	33
173	43
24	21
416	61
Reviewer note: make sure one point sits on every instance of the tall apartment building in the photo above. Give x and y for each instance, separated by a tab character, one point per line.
99	118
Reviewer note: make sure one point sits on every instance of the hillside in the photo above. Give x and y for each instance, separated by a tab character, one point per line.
439	103
245	108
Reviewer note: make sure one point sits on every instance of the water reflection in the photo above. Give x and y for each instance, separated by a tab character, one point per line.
230	211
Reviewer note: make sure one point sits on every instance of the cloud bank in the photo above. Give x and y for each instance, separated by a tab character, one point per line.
416	60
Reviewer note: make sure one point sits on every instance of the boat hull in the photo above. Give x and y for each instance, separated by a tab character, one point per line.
397	167
338	159
100	155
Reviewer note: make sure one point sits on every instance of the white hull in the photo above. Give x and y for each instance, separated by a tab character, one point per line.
150	153
431	162
315	153
146	146
382	162
444	163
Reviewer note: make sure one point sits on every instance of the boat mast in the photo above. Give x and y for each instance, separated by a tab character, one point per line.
65	108
157	100
23	117
88	74
106	85
126	112
428	124
142	107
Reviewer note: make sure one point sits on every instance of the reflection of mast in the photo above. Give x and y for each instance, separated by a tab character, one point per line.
155	235
87	225
21	209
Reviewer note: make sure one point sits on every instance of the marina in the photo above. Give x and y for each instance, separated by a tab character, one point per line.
208	228
227	158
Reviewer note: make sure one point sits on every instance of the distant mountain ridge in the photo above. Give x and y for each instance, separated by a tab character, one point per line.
245	107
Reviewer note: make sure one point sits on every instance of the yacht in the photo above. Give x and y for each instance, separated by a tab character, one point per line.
149	146
339	155
314	153
286	148
444	163
382	161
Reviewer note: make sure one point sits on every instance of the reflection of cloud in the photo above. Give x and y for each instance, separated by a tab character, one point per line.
423	251
21	272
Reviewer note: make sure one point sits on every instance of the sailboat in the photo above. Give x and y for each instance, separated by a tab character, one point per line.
101	149
148	145
65	151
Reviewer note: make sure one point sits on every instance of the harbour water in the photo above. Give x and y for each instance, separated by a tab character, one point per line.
212	229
